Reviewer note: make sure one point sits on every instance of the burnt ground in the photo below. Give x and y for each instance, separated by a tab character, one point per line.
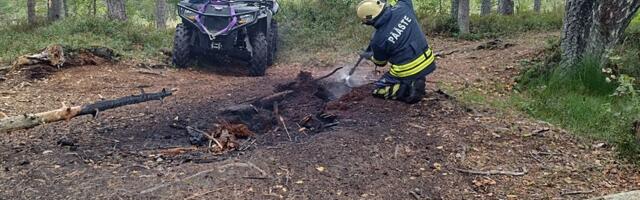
379	150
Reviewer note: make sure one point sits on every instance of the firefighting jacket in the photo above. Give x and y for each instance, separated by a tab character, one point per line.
399	40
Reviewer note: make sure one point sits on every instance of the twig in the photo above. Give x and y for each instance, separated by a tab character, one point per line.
415	195
189	128
535	157
547	153
395	152
245	147
577	192
247	164
181	180
205	193
494	172
285	127
150	71
220	169
326	76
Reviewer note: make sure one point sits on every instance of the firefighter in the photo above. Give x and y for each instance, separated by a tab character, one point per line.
398	40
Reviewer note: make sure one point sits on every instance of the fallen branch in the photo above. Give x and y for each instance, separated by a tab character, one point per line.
66	113
577	192
493	172
150	72
269	100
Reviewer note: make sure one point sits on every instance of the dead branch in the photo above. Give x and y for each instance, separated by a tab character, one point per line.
494	172
150	72
577	192
269	100
66	113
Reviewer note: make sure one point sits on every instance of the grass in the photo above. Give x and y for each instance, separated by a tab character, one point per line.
326	30
128	39
311	30
581	100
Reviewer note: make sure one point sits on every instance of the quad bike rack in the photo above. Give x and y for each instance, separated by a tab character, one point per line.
202	12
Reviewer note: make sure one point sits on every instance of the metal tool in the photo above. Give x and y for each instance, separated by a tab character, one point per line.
351	71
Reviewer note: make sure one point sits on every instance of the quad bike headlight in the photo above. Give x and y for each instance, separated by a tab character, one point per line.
189	15
246	19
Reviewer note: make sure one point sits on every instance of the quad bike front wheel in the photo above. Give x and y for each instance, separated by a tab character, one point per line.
182	46
259	57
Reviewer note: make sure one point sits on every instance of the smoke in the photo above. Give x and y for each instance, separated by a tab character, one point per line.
337	84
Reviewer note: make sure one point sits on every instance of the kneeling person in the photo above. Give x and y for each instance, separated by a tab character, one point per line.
398	40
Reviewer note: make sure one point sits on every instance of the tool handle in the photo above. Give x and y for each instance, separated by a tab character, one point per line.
353	69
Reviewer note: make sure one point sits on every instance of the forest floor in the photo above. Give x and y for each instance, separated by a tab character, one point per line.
379	150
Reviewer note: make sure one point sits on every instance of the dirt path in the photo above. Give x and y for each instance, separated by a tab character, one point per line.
380	150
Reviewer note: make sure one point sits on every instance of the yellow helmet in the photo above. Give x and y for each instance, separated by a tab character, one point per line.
369	9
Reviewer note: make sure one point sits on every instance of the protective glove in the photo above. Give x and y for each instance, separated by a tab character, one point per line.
367	53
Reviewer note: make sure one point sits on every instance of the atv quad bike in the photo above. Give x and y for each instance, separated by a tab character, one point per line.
240	29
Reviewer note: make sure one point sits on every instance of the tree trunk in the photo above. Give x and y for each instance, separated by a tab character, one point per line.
66	8
116	10
485	8
593	27
31	12
507	7
161	14
94	7
454	8
463	16
54	12
537	4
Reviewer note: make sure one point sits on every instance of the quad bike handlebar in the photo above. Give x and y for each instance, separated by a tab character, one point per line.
202	11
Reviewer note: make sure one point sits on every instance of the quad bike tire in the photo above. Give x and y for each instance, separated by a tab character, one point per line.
272	37
182	55
259	58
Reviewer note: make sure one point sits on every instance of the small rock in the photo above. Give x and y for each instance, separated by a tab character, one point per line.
64	141
600	145
47	152
24	162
